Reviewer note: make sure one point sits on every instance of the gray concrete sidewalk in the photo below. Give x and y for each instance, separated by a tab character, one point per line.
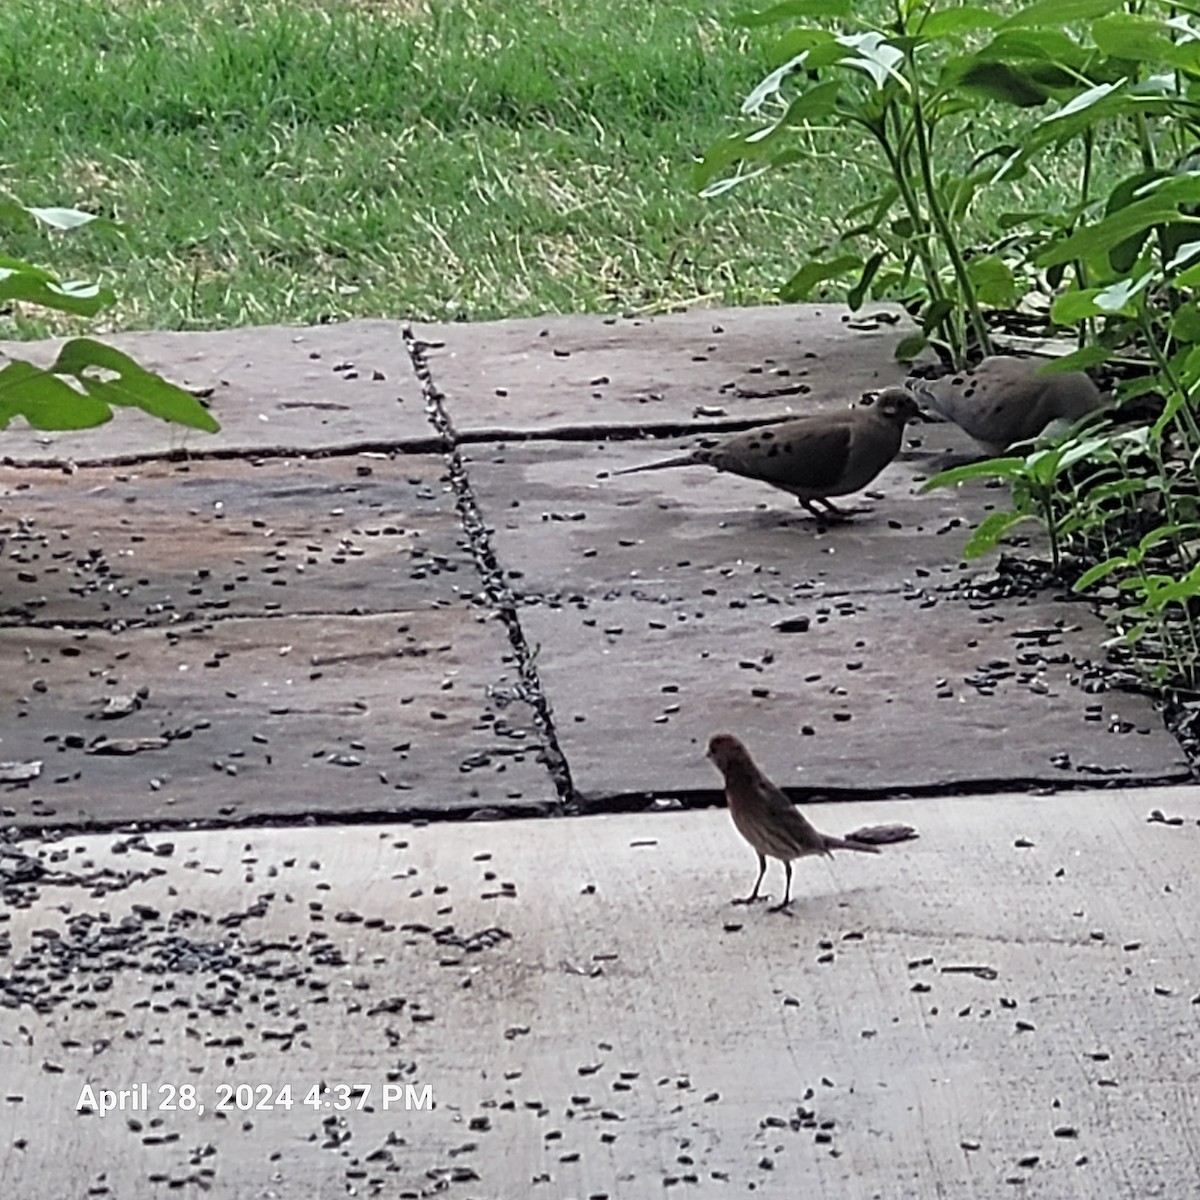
1006	1006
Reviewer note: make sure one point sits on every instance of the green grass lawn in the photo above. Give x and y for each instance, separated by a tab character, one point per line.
300	160
304	161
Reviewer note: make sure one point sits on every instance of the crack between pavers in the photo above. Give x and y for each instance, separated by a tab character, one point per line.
411	445
498	594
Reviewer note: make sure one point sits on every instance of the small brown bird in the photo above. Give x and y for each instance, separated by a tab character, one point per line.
1004	400
766	818
815	456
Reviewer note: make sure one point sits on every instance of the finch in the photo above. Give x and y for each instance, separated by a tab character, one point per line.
766	818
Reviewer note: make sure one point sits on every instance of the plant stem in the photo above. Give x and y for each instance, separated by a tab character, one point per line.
949	242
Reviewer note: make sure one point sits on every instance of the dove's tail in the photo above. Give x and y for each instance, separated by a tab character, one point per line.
684	460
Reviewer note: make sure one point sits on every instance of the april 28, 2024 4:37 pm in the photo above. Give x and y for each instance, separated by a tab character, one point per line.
247	1097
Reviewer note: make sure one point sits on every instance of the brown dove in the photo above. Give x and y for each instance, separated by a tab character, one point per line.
766	818
1003	400
815	456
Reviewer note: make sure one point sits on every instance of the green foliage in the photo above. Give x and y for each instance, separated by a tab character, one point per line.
926	77
100	375
1054	81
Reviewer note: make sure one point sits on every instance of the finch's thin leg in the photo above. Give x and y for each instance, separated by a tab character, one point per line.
787	889
754	897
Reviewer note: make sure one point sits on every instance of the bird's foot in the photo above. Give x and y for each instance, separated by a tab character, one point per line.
754	899
784	906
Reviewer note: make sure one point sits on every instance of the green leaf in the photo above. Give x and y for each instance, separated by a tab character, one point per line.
1084	101
957	20
910	347
34	286
854	298
814	272
992	468
724	154
1117	297
875	55
1141	39
788	9
1185	323
815	104
45	401
1098	571
1061	12
770	84
1103	235
62	218
993	281
1003	82
1074	305
990	530
92	364
1077	360
935	314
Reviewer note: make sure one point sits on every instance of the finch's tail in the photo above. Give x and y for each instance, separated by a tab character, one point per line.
837	843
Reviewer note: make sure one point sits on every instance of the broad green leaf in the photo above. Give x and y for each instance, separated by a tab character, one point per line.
1098	571
62	218
722	155
814	272
1061	12
957	20
819	44
1183	255
1077	360
1117	296
1000	81
1081	103
1185	323
990	530
909	347
1098	238
993	281
856	295
816	103
1141	39
45	401
770	85
875	55
93	364
992	468
788	9
1046	45
78	298
725	185
936	313
1072	453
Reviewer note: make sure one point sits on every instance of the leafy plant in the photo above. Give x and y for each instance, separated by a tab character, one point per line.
916	84
1040	490
79	390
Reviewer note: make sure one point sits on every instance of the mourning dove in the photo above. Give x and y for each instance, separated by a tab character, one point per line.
766	818
813	457
1004	401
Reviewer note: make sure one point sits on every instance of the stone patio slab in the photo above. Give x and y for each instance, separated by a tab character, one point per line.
276	387
1006	1006
551	374
257	719
882	692
655	602
159	543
